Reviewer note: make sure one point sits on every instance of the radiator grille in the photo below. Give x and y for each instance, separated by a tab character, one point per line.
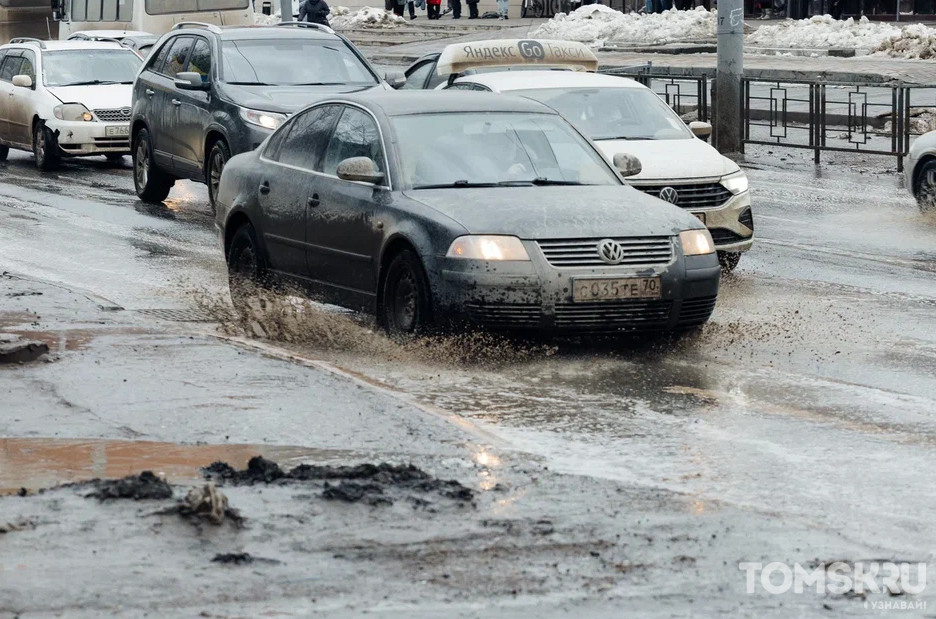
638	251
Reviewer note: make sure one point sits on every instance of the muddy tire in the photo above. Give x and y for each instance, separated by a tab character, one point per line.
728	260
217	159
406	307
246	266
925	190
45	148
151	183
4	152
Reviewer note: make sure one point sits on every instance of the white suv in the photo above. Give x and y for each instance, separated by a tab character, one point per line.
66	99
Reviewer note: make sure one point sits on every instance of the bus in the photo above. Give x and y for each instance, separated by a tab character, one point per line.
26	18
152	16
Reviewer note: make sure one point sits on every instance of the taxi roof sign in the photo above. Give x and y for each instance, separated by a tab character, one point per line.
461	57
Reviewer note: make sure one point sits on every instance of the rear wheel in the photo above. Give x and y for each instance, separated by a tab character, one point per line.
728	260
246	265
406	307
217	159
539	8
4	151
151	183
925	190
45	148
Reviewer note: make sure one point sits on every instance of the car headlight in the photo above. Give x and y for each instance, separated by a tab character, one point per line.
696	242
488	247
72	112
735	183
267	120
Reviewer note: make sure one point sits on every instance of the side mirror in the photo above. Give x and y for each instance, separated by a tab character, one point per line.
700	129
396	79
190	80
627	164
362	169
23	81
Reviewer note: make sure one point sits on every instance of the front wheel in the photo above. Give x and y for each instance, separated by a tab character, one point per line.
406	307
246	266
925	190
728	260
151	183
217	159
4	151
45	148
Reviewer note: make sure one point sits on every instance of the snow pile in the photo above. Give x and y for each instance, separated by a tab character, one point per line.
823	32
343	18
914	41
595	24
268	20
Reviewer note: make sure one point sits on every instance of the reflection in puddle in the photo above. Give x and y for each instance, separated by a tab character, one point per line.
34	463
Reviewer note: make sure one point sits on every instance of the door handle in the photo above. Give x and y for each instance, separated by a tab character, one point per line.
150	92
265	187
176	102
313	201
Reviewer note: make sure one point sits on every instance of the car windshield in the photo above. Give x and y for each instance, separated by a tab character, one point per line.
614	113
88	67
496	148
293	62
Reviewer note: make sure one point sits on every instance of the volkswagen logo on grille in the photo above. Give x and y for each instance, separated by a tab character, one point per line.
125	112
610	251
670	195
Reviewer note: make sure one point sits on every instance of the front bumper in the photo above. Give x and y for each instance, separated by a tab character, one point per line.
81	139
536	296
731	223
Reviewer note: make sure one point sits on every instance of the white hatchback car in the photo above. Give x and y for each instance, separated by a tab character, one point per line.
621	116
66	99
920	170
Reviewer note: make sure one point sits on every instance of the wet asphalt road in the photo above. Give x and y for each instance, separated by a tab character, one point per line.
810	397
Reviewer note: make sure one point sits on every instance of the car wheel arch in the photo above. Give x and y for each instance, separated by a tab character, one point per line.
213	136
235	221
396	244
919	168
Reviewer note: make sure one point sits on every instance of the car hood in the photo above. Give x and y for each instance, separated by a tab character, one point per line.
671	159
558	212
103	97
285	99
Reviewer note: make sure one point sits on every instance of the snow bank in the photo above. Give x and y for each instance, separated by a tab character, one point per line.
596	24
268	20
915	41
823	32
343	18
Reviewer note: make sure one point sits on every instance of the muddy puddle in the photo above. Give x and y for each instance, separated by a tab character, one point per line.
34	463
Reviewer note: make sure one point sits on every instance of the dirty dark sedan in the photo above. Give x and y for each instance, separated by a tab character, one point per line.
432	209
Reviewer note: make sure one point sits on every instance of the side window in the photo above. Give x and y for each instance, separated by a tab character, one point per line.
417	78
273	145
307	137
355	135
11	66
29	65
200	62
156	62
178	55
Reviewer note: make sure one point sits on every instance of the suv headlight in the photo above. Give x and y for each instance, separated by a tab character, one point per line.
72	112
267	120
735	183
696	242
488	247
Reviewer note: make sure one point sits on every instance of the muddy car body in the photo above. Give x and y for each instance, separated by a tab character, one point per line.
389	227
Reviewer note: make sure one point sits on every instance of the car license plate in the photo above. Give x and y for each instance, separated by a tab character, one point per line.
701	216
117	131
584	290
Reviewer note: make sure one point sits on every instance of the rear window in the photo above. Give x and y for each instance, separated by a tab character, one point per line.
293	62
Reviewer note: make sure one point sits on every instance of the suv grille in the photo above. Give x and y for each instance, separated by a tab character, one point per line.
625	314
504	315
119	115
696	311
584	252
703	195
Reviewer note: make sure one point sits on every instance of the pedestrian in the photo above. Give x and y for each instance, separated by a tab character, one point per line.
433	8
502	7
456	8
411	5
472	9
315	11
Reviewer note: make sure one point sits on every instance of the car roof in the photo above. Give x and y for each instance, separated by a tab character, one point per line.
55	46
406	102
504	81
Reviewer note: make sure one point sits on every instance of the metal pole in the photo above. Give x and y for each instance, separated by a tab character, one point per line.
286	10
728	77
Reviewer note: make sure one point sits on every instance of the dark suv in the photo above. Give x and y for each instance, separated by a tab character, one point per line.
208	93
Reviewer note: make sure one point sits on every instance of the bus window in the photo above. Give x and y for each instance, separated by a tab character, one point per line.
163	7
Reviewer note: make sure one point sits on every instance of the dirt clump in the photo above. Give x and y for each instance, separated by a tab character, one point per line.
352	492
144	486
241	558
209	504
20	524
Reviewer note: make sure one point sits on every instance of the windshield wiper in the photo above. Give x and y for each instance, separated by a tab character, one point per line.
321	84
626	137
249	84
457	184
525	183
95	83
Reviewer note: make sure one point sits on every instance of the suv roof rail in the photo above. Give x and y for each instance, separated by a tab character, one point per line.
28	40
305	24
197	24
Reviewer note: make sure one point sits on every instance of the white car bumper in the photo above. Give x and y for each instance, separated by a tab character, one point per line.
90	138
